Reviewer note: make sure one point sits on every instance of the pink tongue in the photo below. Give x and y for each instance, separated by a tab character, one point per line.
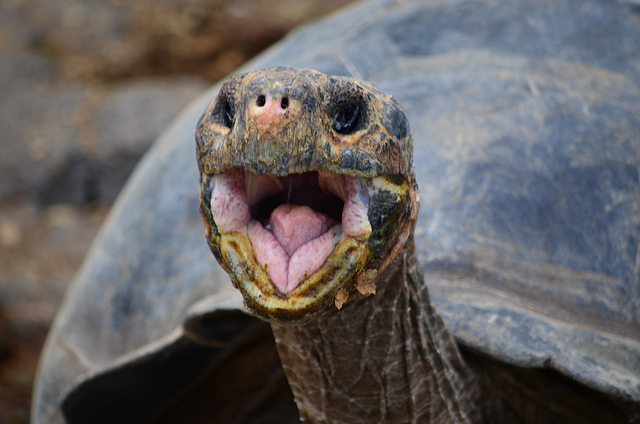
293	225
297	245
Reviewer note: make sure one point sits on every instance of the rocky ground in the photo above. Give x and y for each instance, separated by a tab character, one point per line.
85	88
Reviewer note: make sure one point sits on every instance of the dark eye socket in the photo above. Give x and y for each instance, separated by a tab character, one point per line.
227	114
347	118
224	112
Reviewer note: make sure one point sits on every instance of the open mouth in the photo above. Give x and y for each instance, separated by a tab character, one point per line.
296	244
293	223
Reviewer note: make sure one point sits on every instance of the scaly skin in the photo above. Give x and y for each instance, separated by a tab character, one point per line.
382	358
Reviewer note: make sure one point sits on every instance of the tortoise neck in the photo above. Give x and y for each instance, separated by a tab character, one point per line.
383	358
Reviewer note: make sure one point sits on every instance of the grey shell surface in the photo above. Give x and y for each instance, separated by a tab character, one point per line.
526	122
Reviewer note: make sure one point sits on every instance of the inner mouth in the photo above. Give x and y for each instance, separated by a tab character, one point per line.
293	222
302	190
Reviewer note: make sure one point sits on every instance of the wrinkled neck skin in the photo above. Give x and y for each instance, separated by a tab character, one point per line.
359	364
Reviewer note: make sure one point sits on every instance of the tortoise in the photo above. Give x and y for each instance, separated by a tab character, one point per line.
524	123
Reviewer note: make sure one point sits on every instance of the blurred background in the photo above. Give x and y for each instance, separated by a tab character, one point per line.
85	87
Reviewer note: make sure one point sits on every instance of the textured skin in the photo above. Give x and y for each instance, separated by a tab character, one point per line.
303	140
401	365
525	123
388	358
381	359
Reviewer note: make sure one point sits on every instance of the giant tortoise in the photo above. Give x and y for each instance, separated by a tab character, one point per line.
525	122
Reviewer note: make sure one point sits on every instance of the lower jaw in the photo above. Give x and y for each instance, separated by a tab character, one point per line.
312	297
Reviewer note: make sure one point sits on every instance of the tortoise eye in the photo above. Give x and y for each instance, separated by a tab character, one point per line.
346	118
227	114
223	112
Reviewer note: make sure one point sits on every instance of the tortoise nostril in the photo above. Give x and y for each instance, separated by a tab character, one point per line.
261	100
284	102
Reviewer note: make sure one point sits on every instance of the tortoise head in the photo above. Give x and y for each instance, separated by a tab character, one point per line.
306	188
